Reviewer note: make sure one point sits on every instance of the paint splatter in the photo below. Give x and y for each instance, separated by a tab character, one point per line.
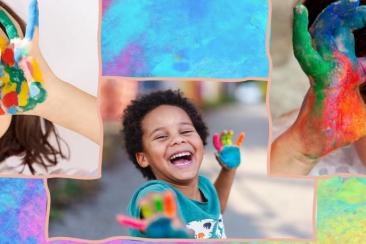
334	113
341	211
163	38
21	83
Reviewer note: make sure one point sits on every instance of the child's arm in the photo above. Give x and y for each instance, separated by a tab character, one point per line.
41	93
4	124
66	105
223	186
333	113
229	158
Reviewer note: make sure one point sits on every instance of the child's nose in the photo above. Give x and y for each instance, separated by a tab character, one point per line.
178	139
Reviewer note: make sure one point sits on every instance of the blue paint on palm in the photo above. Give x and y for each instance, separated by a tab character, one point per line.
162	228
163	38
230	156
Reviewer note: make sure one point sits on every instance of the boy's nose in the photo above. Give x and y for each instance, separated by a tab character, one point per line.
178	139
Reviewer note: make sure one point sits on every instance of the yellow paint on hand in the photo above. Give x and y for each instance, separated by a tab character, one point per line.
3	43
9	87
36	71
24	94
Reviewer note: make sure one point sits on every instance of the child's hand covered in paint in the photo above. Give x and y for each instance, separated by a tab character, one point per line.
333	112
21	83
228	154
160	218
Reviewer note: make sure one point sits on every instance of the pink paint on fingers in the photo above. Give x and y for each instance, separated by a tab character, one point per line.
131	222
217	142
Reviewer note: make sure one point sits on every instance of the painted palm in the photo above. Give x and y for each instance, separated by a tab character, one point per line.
20	77
333	113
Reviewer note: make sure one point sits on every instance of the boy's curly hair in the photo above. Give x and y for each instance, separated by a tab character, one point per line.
136	111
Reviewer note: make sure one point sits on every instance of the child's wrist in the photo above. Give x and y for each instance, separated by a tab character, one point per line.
288	155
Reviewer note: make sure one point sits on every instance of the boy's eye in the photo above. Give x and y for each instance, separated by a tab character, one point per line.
160	137
186	132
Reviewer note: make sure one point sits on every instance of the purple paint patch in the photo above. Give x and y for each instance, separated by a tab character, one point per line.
105	5
32	219
129	61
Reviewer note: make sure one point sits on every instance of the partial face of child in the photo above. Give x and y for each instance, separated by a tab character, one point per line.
171	145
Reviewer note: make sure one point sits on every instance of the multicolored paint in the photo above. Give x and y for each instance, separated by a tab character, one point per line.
191	38
334	106
341	212
159	212
228	154
23	205
21	80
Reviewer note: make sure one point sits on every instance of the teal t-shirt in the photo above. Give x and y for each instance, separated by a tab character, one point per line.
204	218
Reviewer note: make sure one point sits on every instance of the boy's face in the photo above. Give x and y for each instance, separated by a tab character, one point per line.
172	147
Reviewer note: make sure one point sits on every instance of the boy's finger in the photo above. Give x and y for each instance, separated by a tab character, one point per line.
131	222
216	142
223	137
158	203
229	137
32	24
240	139
146	210
170	207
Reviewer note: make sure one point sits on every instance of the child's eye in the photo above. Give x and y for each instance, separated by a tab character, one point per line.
160	137
186	132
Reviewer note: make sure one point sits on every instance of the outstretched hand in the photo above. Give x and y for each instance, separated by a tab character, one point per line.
228	154
333	113
21	83
160	218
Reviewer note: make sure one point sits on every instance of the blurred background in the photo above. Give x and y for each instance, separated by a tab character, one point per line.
259	206
289	83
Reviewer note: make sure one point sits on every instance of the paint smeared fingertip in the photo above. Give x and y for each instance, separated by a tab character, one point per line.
300	9
33	20
241	138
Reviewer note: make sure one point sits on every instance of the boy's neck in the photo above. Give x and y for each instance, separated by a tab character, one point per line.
189	189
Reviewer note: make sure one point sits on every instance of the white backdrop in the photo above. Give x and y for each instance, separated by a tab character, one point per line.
69	43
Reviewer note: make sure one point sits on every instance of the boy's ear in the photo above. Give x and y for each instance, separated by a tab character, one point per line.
142	159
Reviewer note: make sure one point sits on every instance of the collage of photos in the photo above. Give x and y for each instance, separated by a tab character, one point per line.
125	121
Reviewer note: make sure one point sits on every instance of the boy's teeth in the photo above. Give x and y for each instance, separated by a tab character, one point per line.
180	155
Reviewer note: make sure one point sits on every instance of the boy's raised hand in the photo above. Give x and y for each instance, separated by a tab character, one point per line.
333	112
228	154
21	83
160	218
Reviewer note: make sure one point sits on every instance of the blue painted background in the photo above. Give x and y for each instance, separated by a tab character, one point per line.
185	38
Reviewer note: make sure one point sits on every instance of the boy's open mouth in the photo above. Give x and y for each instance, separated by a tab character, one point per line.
181	159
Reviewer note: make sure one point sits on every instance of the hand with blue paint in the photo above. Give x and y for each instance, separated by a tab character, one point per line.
333	113
21	81
159	217
228	154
